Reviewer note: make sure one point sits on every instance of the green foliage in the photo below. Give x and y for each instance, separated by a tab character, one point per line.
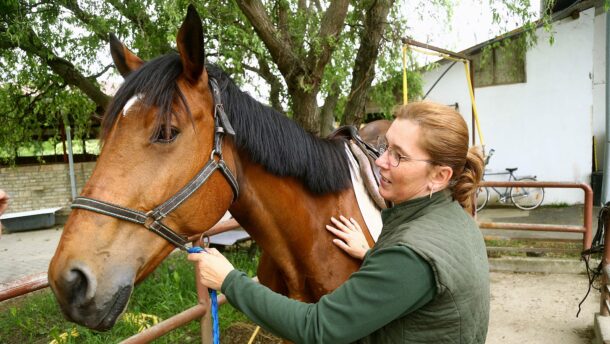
54	57
169	290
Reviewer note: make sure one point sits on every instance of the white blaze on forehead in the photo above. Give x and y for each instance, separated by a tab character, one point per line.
130	103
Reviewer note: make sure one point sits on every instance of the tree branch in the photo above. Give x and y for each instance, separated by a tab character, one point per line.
33	45
330	28
364	67
140	20
88	19
97	75
280	50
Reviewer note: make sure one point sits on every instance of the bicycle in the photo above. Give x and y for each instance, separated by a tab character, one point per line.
524	198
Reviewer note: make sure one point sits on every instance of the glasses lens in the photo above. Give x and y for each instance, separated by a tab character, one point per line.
394	157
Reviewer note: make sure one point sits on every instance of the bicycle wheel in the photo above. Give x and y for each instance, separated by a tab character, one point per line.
482	197
527	198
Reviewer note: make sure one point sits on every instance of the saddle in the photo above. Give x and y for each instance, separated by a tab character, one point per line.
365	154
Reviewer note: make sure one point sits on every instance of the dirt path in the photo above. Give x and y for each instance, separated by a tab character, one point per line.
540	309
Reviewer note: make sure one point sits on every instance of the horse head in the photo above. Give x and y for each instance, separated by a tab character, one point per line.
159	130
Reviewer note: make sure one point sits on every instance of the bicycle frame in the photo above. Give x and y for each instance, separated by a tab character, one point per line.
503	197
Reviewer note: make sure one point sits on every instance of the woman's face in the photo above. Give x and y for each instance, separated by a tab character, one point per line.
410	179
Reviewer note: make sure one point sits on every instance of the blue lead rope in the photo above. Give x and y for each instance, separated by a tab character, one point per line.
213	297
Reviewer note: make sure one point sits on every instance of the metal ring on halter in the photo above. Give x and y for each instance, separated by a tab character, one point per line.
202	240
149	220
215	153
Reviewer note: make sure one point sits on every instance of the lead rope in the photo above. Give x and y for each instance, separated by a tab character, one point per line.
597	248
214	299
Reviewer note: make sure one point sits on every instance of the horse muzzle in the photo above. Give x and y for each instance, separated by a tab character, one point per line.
89	301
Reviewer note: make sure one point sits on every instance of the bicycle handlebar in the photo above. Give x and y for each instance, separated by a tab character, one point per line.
491	152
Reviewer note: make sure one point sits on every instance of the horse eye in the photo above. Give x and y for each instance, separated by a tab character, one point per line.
167	136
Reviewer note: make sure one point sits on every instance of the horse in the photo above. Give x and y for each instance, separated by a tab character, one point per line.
180	138
372	132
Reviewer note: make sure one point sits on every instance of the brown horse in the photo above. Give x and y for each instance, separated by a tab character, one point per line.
373	131
160	129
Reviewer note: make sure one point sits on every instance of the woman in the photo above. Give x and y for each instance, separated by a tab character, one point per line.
3	205
426	279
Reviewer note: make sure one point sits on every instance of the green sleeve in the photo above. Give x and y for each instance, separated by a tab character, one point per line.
391	283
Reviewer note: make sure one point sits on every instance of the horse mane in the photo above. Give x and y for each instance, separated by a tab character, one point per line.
269	138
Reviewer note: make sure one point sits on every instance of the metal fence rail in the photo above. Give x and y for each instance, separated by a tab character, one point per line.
585	229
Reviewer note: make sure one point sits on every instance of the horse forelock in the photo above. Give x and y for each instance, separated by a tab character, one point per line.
267	136
154	85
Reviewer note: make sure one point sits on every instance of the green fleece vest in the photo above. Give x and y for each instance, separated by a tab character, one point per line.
441	232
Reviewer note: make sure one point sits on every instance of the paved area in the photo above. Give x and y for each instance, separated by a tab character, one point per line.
27	253
540	309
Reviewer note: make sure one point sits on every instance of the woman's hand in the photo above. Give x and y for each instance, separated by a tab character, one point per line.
213	267
3	201
352	238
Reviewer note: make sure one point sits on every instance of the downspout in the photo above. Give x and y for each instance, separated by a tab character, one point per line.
606	179
605	187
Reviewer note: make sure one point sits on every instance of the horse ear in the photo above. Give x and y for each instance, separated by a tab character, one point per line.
124	60
190	45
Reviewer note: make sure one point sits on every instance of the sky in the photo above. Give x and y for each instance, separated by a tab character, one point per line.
470	23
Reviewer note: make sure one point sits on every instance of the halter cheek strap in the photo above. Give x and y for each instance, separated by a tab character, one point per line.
152	219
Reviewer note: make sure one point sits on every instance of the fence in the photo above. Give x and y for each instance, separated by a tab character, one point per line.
202	310
585	229
35	282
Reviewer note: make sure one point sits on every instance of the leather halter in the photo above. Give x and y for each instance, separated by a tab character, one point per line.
152	219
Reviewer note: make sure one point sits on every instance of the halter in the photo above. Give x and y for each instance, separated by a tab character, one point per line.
152	219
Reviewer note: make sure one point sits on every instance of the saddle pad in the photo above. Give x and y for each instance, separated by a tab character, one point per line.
370	212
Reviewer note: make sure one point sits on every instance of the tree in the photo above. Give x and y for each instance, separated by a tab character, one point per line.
304	51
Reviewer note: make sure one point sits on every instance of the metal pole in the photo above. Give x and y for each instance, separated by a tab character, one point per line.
606	178
604	304
70	157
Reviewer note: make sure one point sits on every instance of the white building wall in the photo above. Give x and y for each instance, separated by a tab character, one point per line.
599	86
543	126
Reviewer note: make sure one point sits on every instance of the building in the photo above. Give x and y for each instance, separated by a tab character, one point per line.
539	108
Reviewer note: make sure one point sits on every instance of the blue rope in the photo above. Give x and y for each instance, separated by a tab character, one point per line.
213	297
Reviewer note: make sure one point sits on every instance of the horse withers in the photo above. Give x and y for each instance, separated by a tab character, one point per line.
170	167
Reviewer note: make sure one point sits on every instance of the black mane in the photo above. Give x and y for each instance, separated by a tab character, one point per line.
267	136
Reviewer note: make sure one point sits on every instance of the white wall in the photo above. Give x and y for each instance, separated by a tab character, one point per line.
543	126
599	86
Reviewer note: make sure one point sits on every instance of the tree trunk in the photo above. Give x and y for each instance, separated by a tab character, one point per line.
327	113
306	111
364	67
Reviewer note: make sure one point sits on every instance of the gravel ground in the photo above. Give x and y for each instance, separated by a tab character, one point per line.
540	309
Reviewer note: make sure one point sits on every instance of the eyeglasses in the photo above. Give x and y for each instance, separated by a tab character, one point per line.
394	157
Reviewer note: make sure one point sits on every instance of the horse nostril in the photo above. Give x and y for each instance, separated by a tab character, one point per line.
81	285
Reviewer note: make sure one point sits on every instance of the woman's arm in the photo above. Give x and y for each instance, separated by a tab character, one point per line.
391	283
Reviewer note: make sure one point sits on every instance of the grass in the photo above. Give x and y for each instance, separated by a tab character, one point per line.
539	248
53	147
169	290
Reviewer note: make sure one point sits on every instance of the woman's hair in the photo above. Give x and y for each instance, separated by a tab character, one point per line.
444	136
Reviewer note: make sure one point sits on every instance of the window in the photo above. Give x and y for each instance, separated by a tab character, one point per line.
500	63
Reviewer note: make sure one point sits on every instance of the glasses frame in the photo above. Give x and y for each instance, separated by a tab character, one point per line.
393	155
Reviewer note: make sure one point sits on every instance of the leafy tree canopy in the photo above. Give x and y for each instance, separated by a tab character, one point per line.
55	67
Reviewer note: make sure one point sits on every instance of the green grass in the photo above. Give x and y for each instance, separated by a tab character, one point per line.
52	147
169	290
540	248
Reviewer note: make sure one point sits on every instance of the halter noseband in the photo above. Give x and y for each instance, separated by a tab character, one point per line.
152	219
